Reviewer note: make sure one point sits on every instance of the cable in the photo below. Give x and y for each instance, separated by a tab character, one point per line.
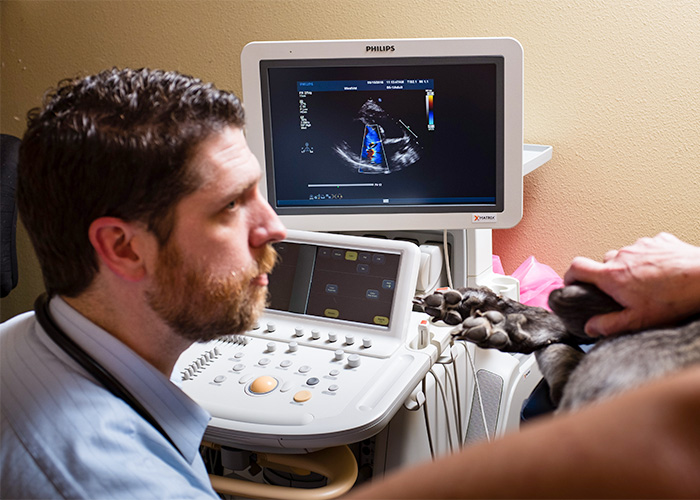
456	405
427	418
451	388
458	399
477	387
444	403
448	271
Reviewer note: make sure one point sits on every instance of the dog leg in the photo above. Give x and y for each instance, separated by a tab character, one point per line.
577	303
491	321
557	362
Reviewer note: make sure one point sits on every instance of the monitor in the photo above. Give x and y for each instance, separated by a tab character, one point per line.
412	134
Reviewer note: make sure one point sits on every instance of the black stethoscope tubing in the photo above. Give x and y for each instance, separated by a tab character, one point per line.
43	315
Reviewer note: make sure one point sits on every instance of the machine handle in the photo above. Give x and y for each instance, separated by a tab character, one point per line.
337	464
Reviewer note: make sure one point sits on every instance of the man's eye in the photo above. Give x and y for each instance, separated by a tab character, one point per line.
232	205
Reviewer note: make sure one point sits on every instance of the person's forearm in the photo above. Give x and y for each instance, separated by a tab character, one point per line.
644	443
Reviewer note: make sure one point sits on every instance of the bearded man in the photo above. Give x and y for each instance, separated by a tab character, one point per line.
140	196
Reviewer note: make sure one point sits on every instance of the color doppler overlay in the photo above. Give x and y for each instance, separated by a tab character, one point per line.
373	149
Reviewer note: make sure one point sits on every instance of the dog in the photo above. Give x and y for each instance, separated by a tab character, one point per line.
575	378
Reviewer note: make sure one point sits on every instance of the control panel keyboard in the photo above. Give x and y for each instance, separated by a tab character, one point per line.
298	393
330	361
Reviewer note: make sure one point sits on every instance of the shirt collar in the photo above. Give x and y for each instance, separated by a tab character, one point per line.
182	419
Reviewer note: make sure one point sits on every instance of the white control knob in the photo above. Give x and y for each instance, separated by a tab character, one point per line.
366	342
271	346
353	361
332	337
339	354
315	334
293	347
298	332
349	339
271	327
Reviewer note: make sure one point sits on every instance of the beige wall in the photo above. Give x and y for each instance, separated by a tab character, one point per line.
612	85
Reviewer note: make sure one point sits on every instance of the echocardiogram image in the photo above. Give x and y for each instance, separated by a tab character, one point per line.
388	144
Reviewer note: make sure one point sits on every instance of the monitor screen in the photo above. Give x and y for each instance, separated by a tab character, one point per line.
389	138
338	281
334	282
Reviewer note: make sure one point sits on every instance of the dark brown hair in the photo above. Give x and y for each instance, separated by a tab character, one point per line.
113	144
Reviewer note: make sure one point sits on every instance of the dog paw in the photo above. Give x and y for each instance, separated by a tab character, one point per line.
494	330
453	306
442	306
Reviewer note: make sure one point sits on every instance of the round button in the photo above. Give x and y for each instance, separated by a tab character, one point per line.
304	369
271	327
219	378
332	337
302	396
312	381
271	346
298	332
263	385
293	347
315	334
285	363
353	361
349	339
333	373
333	388
366	342
264	361
339	354
238	355
238	367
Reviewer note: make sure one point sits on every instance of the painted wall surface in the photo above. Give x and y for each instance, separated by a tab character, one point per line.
613	86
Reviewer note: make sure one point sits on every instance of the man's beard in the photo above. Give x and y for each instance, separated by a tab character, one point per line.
201	307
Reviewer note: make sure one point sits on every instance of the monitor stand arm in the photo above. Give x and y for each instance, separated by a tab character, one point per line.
473	265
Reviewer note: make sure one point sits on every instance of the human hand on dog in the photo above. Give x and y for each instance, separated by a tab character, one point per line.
656	280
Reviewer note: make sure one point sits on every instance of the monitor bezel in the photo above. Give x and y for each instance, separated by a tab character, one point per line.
255	54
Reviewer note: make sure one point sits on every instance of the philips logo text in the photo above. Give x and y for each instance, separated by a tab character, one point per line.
380	48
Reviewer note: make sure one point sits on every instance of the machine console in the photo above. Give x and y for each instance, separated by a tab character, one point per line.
331	360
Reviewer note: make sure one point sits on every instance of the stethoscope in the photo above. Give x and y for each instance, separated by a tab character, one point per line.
43	315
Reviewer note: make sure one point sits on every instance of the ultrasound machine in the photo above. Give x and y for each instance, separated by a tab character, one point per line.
390	161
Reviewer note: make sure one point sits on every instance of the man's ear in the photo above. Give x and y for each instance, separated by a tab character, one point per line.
118	245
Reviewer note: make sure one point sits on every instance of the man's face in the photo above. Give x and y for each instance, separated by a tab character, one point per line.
211	276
